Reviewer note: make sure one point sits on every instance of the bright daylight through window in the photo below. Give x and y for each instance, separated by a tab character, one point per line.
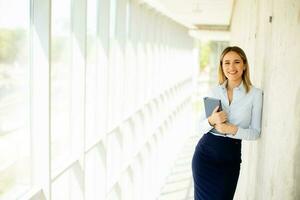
14	98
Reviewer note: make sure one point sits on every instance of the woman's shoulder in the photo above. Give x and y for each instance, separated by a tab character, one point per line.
256	90
215	88
214	91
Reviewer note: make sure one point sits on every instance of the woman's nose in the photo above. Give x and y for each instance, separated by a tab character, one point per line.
231	65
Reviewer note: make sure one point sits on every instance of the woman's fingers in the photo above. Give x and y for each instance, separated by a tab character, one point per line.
218	117
216	109
222	117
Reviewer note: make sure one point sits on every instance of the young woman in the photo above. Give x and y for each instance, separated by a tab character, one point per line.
217	157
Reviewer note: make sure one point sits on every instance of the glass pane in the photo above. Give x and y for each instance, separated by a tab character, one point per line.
60	80
91	71
69	185
14	98
95	173
61	187
115	194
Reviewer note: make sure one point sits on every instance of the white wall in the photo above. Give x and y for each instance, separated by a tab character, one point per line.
271	166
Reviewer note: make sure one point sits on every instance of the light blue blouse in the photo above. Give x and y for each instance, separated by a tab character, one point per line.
245	111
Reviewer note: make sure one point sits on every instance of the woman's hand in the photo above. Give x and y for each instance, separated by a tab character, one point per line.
217	117
226	128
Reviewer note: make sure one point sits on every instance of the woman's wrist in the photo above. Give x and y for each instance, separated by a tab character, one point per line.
210	121
232	129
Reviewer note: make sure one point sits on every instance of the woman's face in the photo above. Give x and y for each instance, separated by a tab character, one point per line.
232	65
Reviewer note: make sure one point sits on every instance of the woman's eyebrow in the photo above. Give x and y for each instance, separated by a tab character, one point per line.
233	60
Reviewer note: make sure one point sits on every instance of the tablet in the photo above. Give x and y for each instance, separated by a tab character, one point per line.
210	104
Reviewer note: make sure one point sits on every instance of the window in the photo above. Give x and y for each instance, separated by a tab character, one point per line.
14	98
60	81
92	70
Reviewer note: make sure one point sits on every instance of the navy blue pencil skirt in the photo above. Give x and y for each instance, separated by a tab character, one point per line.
216	167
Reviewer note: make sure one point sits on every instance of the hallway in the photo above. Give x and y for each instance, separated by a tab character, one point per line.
98	97
179	183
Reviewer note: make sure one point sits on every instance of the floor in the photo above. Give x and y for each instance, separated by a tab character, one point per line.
179	183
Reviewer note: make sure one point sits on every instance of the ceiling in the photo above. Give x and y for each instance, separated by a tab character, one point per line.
201	16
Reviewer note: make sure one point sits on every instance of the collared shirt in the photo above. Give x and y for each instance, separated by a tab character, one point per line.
245	111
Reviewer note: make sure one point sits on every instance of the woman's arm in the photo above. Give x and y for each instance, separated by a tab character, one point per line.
203	124
217	117
251	133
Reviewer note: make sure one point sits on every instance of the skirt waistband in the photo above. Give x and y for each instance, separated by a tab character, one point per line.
222	140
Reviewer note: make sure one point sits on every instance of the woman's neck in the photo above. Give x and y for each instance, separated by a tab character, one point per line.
233	84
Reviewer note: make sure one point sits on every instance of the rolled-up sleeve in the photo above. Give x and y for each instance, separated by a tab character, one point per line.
203	124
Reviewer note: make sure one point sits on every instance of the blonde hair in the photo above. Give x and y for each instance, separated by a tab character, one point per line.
246	74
